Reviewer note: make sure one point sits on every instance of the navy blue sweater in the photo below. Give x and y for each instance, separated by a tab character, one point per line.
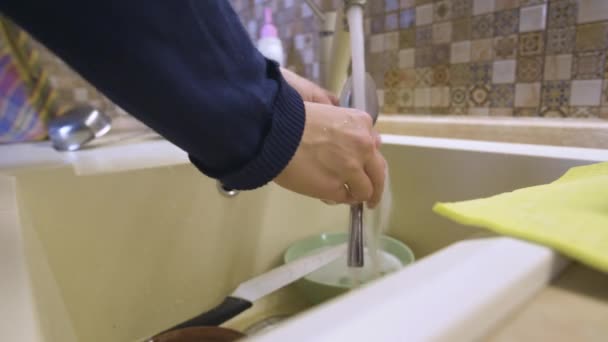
187	69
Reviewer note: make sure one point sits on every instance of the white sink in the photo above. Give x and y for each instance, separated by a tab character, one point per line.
118	243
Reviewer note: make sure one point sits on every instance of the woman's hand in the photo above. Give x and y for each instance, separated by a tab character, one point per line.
308	90
338	148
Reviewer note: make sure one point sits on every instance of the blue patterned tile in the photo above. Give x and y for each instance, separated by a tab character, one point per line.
390	5
407	18
391	22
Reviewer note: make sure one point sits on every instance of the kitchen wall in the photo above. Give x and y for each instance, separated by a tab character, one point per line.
522	58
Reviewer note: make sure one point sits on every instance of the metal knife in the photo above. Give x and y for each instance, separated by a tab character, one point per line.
251	290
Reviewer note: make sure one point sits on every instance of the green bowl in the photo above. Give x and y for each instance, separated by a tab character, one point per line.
317	292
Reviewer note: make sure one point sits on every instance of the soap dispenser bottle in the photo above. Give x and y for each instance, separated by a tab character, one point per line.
269	43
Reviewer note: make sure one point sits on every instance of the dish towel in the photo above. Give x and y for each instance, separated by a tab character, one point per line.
569	215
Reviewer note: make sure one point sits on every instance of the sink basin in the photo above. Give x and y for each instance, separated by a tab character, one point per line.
103	248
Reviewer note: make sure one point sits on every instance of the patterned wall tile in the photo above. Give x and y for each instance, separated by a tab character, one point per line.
459	97
424	77
530	69
460	52
525	112
556	94
554	112
442	10
391	78
407	38
506	4
483	6
407	18
407	78
462	8
482	50
481	73
377	25
562	13
524	3
390	101
502	96
441	75
405	98
482	26
589	65
391	41
390	5
461	29
407	3
424	15
406	58
376	7
506	47
441	54
424	35
584	112
561	40
424	56
442	33
479	95
506	23
532	43
391	22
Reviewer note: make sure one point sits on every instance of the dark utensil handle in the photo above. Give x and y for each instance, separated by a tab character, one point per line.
230	307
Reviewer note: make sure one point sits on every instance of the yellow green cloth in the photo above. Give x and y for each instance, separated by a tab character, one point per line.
569	215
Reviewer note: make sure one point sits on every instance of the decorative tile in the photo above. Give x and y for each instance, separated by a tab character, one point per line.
479	95
405	98
390	99
591	36
376	43
529	69
506	4
422	97
504	71
440	97
391	78
584	112
424	56
531	44
462	8
506	22
461	29
460	74
560	40
376	7
525	112
479	111
502	96
442	33
525	3
482	26
424	77
406	58
483	6
481	73
378	76
592	10
505	47
482	49
459	110
589	65
407	78
562	13
407	3
407	39
533	18
377	25
558	67
460	52
554	112
390	59
423	2
441	75
424	35
586	93
459	96
391	41
424	15
527	95
391	22
441	54
442	10
556	94
507	112
407	18
375	62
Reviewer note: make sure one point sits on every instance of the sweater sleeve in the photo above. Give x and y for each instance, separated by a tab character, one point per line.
187	69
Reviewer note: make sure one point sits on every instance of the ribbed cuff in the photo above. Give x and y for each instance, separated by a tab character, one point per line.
279	145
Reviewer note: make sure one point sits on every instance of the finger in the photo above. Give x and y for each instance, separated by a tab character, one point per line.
332	98
360	186
375	170
377	139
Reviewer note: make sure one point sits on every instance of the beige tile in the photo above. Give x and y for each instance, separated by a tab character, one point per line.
380	93
391	41
527	94
604	112
406	58
504	71
442	33
586	93
407	3
422	97
592	10
501	111
424	14
440	97
558	67
533	18
483	6
376	43
461	52
482	49
479	111
506	4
